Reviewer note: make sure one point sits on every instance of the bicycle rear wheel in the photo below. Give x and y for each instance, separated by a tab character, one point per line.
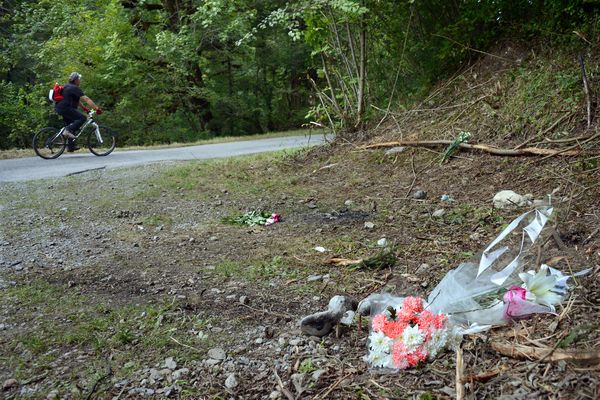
102	142
48	144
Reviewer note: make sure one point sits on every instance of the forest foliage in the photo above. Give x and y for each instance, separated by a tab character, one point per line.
182	70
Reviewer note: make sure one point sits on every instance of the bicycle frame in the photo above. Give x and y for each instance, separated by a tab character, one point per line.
89	121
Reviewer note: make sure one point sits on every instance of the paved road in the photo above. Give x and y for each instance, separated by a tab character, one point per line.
31	168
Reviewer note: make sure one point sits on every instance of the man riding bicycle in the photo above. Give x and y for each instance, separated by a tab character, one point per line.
67	108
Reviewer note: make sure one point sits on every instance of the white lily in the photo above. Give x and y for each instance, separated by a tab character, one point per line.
541	287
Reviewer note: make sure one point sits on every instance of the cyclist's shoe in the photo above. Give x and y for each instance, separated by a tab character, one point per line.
68	134
73	148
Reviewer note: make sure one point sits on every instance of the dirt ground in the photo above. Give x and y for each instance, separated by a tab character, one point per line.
126	284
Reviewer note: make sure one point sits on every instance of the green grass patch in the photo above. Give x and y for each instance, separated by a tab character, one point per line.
256	271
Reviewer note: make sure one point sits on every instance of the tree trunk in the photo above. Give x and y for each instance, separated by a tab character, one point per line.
362	73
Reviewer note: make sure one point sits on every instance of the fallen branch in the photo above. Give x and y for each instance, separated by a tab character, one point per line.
528	151
520	351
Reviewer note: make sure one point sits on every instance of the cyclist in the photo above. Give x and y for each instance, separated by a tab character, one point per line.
67	108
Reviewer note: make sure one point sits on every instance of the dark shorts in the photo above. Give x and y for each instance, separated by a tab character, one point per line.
73	118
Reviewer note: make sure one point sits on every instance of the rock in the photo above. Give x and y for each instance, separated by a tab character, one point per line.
395	150
141	391
155	375
510	199
298	381
311	205
275	395
313	278
348	203
9	384
369	225
212	362
382	242
213	238
217	354
316	376
423	269
420	195
231	382
348	318
295	342
439	213
475	236
244	300
321	323
52	395
180	373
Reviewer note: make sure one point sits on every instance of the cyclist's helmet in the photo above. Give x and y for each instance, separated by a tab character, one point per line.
74	76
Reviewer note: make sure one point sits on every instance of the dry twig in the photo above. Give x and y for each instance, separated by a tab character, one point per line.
332	387
460	370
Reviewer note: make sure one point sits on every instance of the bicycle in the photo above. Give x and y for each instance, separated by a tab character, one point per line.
50	143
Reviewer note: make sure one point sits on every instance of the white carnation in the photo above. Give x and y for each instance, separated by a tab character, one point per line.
412	337
379	342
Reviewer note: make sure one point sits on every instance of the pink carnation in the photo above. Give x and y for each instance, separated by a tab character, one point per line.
416	356
406	315
399	356
429	321
393	329
378	322
414	304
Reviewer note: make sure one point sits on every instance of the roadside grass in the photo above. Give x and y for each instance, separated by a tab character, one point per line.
257	271
54	316
252	175
21	153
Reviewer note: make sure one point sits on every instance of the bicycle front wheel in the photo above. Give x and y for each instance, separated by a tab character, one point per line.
102	141
48	144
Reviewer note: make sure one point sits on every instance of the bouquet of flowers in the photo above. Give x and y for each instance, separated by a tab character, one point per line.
470	298
403	337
